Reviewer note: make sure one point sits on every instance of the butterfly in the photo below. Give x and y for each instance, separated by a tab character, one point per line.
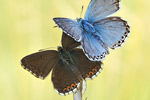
97	32
68	64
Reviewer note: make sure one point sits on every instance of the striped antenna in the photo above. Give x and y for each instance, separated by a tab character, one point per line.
81	11
47	48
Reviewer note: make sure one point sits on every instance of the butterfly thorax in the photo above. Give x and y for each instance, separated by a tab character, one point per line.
64	55
87	26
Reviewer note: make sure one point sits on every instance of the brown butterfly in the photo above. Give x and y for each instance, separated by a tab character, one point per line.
69	66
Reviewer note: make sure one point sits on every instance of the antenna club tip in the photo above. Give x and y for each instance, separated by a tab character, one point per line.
81	11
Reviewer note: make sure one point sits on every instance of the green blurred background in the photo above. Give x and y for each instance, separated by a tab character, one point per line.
27	26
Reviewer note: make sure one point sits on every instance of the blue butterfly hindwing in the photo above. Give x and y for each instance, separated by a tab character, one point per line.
113	30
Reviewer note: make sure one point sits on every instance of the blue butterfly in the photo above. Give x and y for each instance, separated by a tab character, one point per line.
96	31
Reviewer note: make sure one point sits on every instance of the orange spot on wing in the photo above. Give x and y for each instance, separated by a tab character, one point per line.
93	70
68	88
90	74
73	86
65	90
97	67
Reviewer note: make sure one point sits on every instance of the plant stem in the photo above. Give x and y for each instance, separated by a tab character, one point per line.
78	94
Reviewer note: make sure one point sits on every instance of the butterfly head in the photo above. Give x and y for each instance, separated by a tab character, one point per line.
59	48
79	20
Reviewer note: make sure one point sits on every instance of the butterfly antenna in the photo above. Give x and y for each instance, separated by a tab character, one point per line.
81	11
46	49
